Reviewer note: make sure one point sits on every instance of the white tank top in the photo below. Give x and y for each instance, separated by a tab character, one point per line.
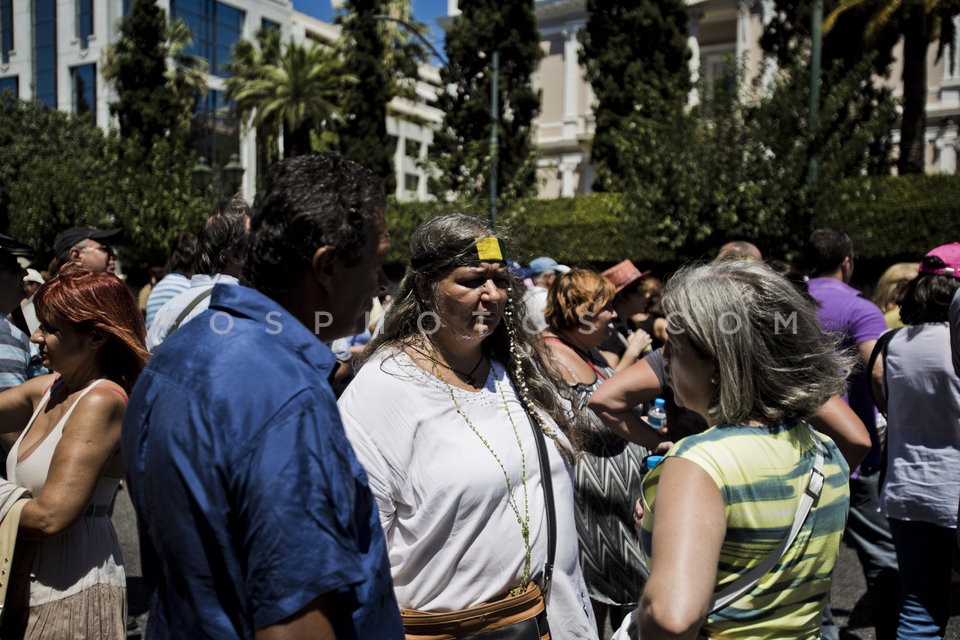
88	552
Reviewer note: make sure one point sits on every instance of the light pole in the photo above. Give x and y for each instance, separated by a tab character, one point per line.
813	117
226	181
494	106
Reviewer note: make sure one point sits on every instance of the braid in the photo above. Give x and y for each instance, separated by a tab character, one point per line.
516	373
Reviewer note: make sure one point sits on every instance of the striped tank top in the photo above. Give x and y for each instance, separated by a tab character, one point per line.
761	473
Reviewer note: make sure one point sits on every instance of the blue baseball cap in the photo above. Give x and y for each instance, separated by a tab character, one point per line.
543	263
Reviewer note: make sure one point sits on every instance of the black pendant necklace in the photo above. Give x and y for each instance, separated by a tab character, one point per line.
467	375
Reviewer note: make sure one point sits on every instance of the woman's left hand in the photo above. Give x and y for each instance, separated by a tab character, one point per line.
637	342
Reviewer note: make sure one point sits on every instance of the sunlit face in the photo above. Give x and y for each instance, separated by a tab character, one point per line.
470	301
96	256
62	346
689	372
596	328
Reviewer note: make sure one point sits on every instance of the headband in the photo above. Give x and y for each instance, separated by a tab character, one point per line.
489	249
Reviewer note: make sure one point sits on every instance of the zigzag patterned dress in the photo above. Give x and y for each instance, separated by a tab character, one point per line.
608	482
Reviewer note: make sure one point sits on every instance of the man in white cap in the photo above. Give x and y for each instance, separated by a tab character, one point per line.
25	316
543	270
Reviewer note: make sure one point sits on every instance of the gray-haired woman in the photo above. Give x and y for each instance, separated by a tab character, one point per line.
747	353
442	416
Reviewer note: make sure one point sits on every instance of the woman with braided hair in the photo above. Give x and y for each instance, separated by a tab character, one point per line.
444	415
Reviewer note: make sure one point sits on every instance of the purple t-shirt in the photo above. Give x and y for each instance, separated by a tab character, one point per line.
845	311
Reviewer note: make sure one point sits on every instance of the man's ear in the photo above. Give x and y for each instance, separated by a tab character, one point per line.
324	264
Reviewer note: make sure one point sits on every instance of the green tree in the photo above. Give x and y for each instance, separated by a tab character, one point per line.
287	92
919	23
147	103
363	131
636	59
460	151
736	165
58	170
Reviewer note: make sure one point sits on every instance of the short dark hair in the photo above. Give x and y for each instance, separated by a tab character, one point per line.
309	202
826	250
225	232
183	250
927	297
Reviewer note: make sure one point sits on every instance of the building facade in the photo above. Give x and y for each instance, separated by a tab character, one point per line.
54	51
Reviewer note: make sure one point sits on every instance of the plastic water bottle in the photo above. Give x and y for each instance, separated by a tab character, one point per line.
649	463
657	416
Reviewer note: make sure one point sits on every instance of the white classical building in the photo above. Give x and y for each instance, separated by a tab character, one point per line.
54	50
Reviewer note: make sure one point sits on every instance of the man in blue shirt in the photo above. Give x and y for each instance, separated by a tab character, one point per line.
255	517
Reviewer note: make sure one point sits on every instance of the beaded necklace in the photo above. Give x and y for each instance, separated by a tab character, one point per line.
523	521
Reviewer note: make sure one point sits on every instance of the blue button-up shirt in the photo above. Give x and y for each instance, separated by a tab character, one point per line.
250	500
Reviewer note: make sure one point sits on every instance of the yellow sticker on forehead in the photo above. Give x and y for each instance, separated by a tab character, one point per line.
488	249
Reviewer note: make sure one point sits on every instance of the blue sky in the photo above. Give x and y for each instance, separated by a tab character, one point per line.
425	11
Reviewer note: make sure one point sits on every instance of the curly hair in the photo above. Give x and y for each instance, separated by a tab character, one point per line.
775	364
99	302
574	298
417	296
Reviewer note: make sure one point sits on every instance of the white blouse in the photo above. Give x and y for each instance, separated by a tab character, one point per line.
452	535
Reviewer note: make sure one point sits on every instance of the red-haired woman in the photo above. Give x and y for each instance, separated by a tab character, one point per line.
92	337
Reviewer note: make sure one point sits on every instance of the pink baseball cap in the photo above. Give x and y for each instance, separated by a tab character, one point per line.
950	254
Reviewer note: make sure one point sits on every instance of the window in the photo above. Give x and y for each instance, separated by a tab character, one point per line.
216	27
45	51
266	24
83	81
6	30
411	181
412	148
9	88
216	135
84	21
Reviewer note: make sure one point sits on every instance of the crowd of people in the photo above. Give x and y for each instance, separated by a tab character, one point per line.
477	453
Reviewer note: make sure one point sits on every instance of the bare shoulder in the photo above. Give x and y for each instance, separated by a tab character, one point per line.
107	401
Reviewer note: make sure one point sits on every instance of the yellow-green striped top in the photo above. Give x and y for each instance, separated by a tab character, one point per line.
761	473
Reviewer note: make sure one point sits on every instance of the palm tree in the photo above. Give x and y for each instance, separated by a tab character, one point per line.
920	22
285	92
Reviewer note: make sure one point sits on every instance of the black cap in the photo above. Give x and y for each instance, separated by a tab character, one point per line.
69	238
9	250
15	247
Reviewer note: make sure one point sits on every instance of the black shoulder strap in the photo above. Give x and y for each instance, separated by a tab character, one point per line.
190	307
880	349
546	478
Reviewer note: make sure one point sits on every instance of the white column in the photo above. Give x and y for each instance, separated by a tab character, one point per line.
946	144
571	69
743	29
568	182
693	44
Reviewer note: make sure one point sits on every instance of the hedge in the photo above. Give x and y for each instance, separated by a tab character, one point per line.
895	215
885	217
